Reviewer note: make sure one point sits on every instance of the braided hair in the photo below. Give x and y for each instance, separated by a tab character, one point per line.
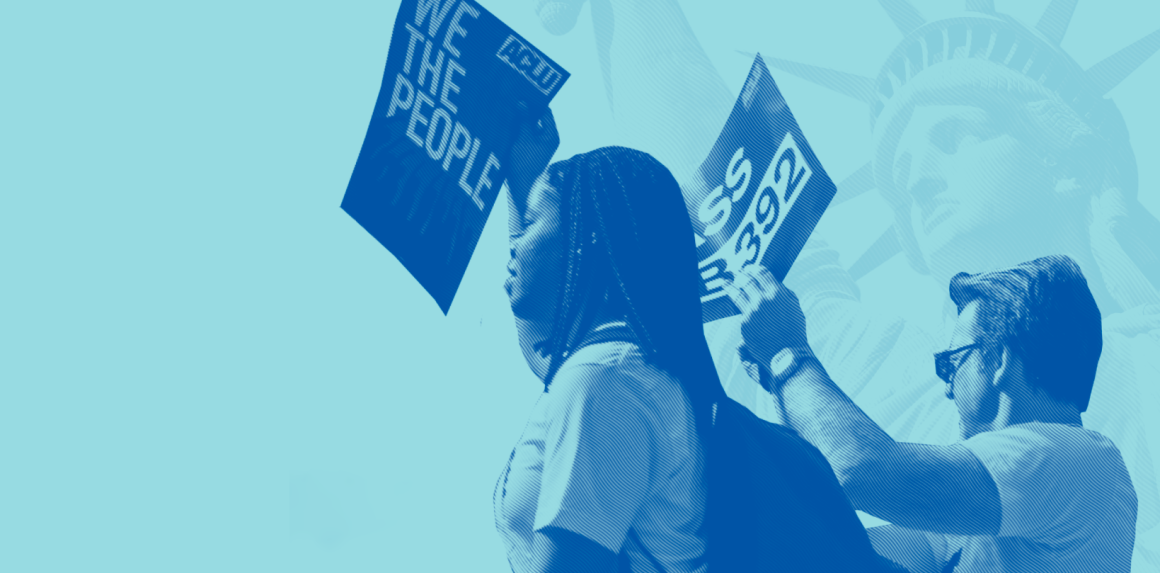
630	252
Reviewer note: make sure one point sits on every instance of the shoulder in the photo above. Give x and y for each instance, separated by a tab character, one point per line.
616	369
616	380
1026	446
1067	441
1048	474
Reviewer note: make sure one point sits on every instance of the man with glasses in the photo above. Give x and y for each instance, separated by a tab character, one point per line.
1027	488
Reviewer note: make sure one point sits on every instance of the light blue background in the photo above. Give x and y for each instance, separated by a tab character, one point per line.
205	365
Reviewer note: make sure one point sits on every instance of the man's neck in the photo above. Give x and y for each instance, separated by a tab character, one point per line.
1035	406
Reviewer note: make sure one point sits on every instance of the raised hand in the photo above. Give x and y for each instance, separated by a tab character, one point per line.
772	316
535	143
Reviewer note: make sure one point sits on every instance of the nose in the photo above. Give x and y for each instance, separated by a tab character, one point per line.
922	173
923	190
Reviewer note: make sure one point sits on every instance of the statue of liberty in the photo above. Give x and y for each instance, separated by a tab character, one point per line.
992	146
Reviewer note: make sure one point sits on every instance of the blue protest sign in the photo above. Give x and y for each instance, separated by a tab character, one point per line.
759	194
436	151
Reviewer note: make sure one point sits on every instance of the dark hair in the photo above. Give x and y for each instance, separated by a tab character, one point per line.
1043	311
630	245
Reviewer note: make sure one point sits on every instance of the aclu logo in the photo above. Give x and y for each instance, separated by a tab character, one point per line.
529	63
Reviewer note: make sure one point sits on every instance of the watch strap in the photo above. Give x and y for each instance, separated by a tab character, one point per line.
787	362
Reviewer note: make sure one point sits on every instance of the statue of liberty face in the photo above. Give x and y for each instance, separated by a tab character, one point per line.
969	155
972	187
977	121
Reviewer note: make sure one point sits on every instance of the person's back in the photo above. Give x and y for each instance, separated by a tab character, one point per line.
776	505
1067	503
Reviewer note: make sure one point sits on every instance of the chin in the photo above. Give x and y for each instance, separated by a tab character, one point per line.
978	252
966	248
517	309
516	302
939	250
558	16
521	306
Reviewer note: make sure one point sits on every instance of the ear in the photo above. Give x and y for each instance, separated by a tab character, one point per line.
1007	370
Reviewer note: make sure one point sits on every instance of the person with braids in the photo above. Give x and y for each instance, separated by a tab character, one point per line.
609	474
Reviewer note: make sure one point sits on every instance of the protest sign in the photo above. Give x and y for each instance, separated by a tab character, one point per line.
759	194
436	151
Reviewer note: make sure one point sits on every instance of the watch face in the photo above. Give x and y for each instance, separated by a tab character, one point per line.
782	362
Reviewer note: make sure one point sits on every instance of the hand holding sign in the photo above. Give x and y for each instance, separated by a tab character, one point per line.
773	316
437	148
534	146
757	197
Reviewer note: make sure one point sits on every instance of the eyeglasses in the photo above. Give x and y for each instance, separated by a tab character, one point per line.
945	364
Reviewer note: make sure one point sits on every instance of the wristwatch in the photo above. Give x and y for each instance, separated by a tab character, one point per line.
787	362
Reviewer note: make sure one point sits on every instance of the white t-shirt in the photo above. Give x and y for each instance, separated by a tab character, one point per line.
610	453
1067	504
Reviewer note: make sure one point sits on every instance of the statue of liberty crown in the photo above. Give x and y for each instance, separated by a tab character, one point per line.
981	33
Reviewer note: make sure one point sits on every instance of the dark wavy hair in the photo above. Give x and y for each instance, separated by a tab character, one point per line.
1044	312
629	249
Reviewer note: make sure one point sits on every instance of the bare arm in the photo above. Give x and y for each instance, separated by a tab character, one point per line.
535	143
906	547
933	488
558	550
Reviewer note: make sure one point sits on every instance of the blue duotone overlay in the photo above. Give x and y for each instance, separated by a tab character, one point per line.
206	365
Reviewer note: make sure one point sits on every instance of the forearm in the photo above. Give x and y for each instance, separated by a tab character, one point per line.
907	547
517	206
558	550
814	406
932	488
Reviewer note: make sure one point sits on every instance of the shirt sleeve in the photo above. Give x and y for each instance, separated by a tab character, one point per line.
1037	482
598	455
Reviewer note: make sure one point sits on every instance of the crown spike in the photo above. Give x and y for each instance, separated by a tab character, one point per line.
603	27
860	88
1053	23
906	17
855	184
984	6
1113	69
881	251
